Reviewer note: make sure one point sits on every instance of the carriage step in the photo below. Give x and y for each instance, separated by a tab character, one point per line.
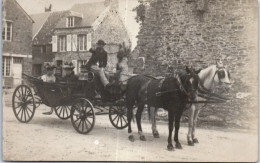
48	113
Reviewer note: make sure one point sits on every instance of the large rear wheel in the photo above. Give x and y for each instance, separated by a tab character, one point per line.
82	116
23	103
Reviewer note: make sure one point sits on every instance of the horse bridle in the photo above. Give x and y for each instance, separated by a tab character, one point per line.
181	85
219	69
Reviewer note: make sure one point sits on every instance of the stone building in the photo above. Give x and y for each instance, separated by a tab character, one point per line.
199	32
16	43
83	25
42	32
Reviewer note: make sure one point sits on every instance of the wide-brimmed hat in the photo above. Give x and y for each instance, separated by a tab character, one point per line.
49	67
101	42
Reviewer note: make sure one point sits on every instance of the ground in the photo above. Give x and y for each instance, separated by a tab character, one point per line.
47	138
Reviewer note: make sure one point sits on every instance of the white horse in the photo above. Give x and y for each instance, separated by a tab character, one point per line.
209	78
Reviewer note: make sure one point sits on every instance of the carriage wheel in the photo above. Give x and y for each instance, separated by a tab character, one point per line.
63	112
117	116
82	116
23	103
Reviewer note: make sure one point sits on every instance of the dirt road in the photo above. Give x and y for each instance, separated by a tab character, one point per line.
47	138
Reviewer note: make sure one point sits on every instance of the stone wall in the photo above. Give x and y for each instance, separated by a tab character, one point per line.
199	32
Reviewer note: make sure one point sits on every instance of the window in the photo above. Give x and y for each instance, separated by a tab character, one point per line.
82	42
62	43
43	49
70	21
6	67
80	63
17	60
7	31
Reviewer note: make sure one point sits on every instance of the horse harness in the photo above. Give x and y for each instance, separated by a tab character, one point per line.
160	92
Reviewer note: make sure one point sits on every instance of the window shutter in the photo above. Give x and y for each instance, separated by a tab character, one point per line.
68	42
88	41
67	22
54	44
74	42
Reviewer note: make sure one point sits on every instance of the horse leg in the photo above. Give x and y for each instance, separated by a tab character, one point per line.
177	127
171	119
138	121
191	120
129	118
195	140
153	111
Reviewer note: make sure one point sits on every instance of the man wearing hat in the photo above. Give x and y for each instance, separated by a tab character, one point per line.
98	61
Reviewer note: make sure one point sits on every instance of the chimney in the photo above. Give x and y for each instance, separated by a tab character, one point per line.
48	9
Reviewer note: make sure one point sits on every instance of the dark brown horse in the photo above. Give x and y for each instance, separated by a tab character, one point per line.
170	93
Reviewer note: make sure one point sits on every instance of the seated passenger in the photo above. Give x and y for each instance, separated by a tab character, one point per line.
49	77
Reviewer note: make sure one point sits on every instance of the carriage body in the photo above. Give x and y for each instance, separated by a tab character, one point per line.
69	98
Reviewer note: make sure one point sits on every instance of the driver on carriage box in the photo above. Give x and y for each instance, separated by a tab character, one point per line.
98	62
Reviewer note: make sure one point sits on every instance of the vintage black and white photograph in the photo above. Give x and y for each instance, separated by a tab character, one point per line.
130	80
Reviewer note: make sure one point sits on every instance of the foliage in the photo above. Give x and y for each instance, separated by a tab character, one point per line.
140	13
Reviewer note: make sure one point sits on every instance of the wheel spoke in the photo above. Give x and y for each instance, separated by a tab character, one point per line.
17	106
124	119
28	109
27	113
86	125
83	126
79	124
88	122
19	111
24	114
117	121
76	120
115	117
66	111
121	121
19	93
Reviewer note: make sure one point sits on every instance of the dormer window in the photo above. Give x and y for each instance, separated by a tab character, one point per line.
70	21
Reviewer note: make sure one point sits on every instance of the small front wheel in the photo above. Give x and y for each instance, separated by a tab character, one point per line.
63	112
117	116
82	116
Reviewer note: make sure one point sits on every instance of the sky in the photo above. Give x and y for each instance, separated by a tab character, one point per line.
125	10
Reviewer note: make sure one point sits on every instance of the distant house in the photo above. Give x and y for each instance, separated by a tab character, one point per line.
83	25
42	32
16	43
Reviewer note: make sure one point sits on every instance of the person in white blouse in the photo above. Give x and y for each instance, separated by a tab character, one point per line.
49	76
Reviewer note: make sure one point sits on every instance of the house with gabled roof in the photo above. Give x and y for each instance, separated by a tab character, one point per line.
82	27
42	32
16	43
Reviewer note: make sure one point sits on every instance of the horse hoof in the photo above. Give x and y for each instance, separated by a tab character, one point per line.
178	145
190	143
170	147
195	140
142	138
156	135
131	138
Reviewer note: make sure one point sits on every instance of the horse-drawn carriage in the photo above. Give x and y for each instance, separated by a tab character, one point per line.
74	99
